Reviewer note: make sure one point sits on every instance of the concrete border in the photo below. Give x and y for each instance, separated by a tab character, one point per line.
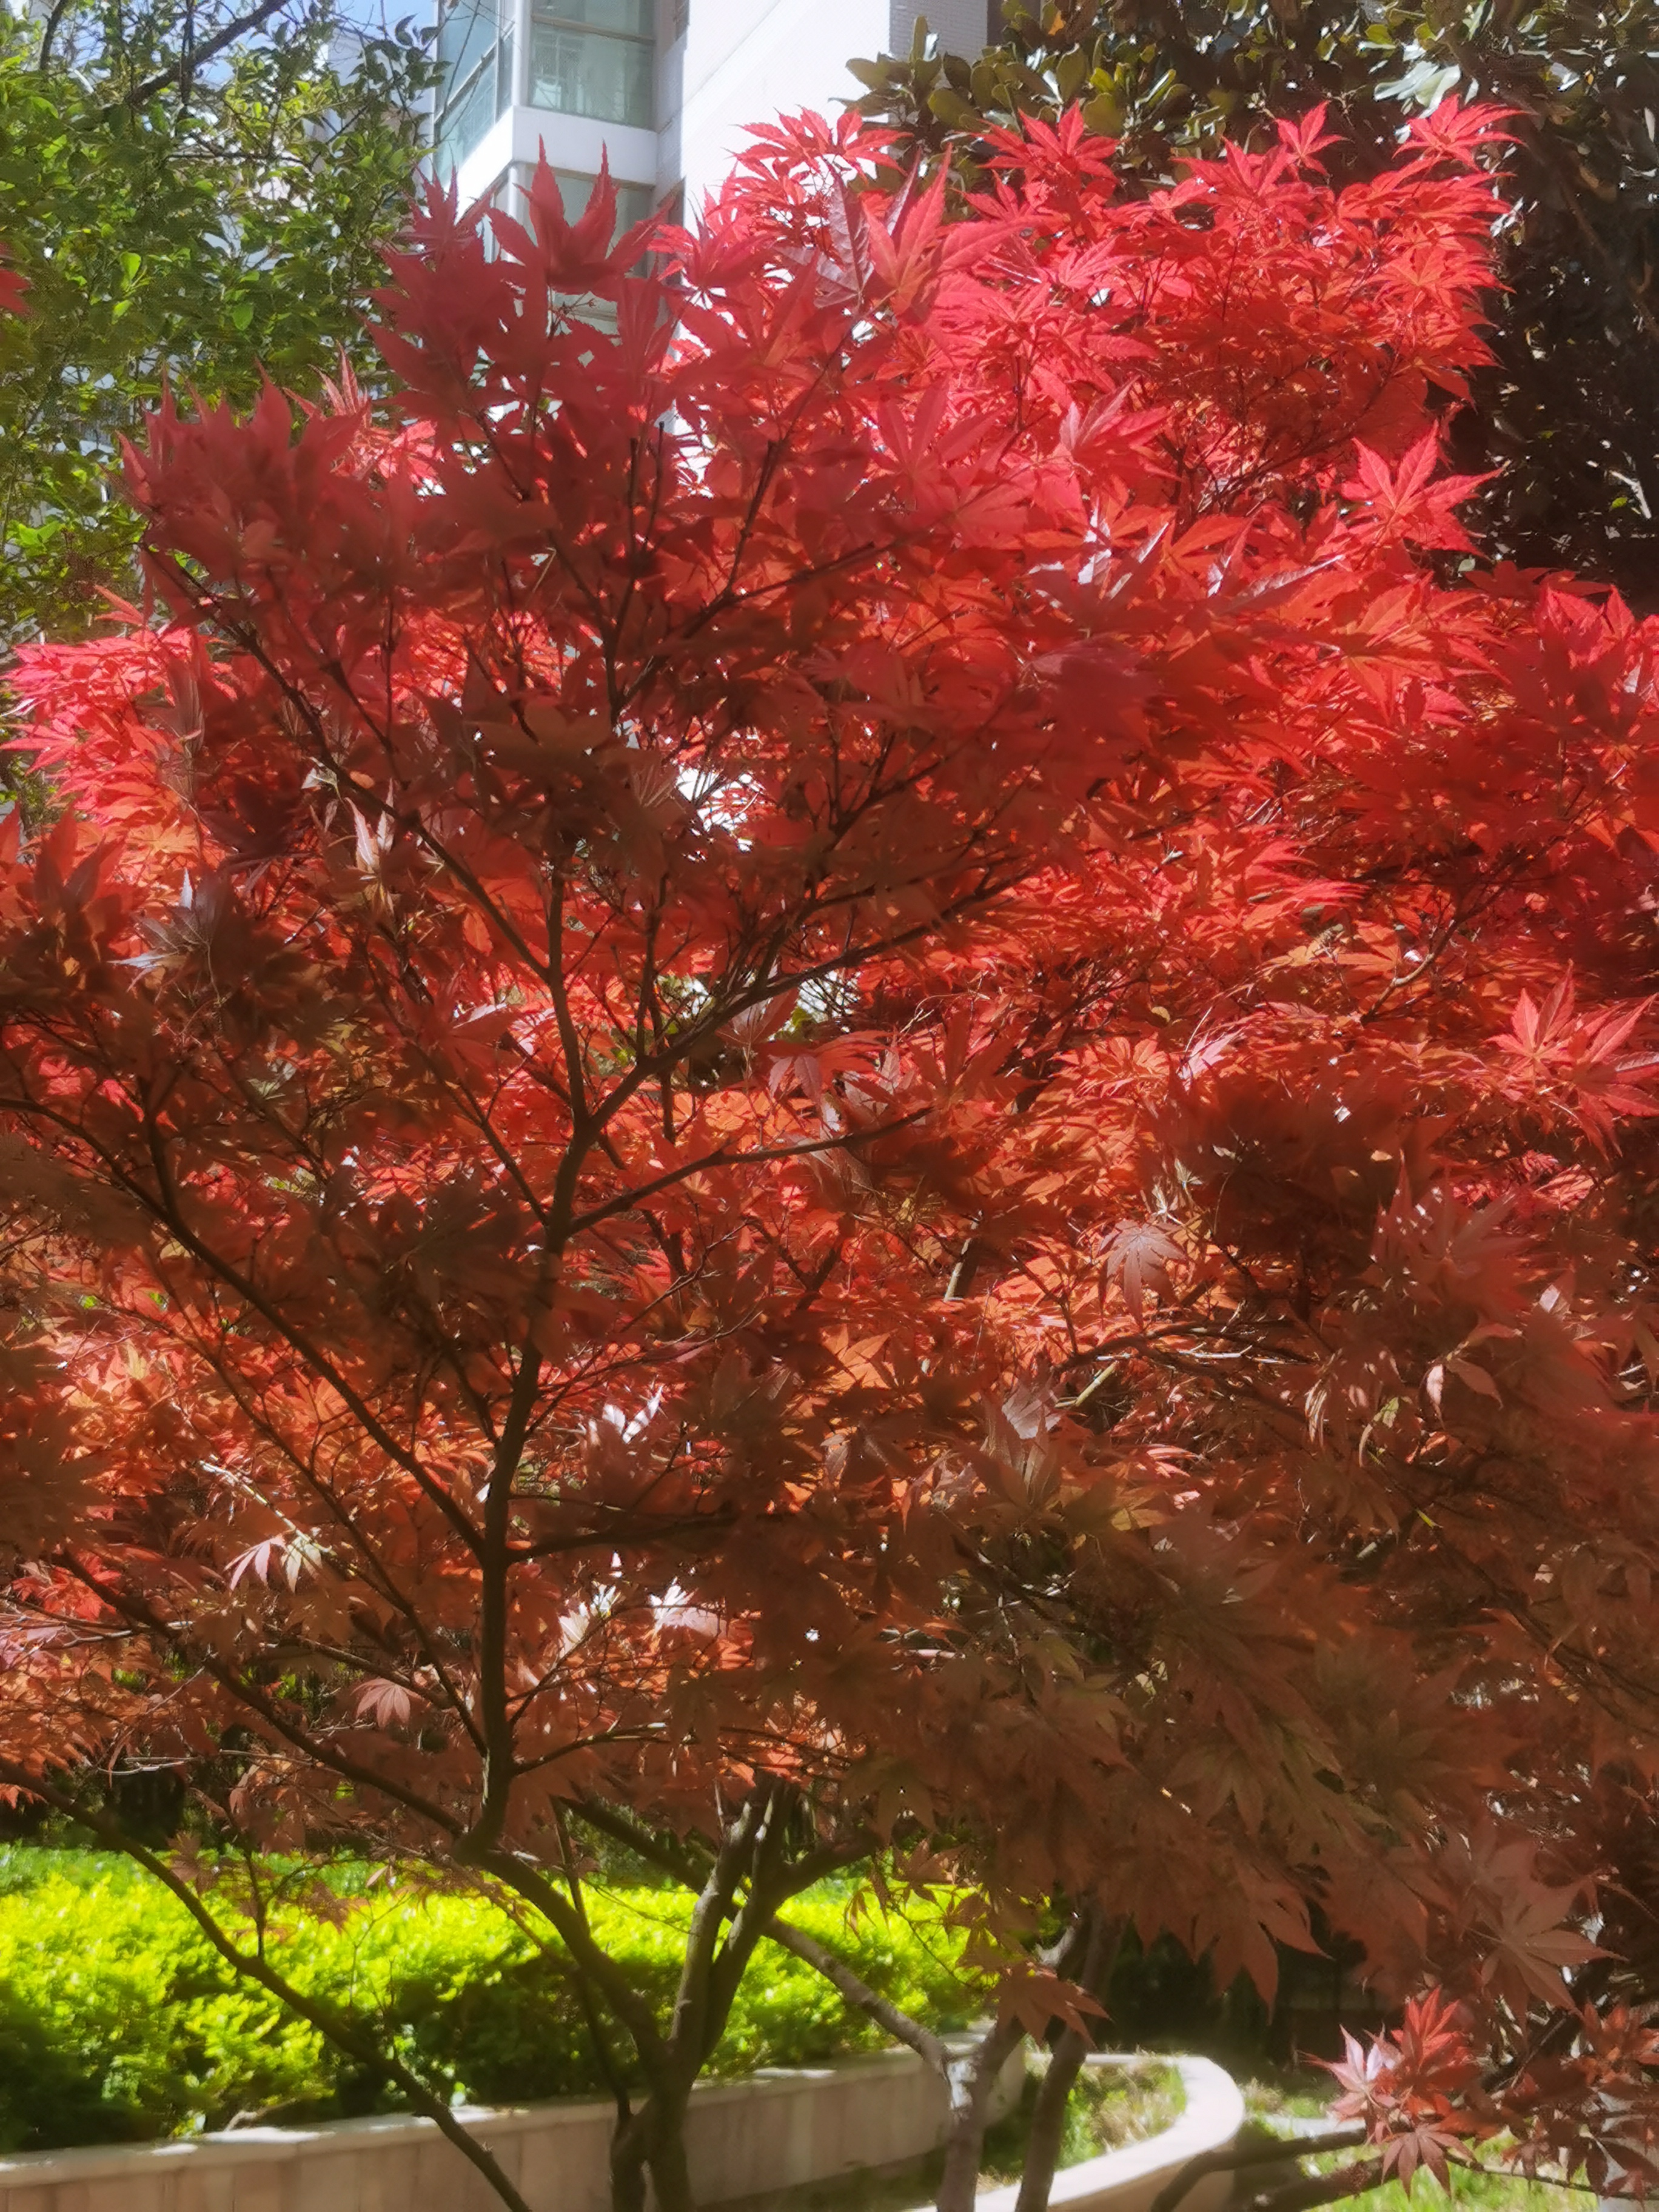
771	2132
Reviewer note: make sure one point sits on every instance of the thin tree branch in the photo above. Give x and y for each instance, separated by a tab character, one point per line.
48	33
192	59
256	1967
1236	2157
1320	2188
899	2025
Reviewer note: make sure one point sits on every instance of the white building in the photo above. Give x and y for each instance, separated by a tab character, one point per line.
664	87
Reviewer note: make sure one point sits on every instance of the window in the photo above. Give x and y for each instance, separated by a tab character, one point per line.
594	57
475	50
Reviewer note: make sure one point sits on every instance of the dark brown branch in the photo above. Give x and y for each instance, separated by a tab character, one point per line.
49	32
721	1158
606	2058
192	59
1320	2188
307	1742
1236	2157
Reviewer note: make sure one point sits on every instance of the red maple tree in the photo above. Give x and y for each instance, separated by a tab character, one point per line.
864	1069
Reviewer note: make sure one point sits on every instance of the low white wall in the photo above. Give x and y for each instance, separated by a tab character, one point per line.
772	2131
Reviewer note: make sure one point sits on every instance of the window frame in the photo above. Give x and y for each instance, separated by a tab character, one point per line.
544	16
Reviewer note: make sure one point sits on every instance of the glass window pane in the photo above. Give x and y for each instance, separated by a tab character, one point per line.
634	17
465	122
586	73
464	29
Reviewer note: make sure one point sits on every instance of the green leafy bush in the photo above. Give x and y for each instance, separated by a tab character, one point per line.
178	226
118	2021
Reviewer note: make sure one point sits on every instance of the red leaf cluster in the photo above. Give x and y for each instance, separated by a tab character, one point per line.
12	288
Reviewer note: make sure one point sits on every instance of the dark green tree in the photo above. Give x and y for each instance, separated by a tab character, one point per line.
1568	411
196	189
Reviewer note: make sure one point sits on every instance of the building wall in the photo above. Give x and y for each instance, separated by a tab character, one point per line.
747	61
721	65
962	27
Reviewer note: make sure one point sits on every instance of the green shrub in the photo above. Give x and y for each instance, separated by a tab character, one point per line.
119	2021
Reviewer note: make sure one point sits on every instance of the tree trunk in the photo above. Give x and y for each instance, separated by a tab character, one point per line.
1068	2052
671	2173
652	2142
970	2079
1042	2145
652	2138
628	2158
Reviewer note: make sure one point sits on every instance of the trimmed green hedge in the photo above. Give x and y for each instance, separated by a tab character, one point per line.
118	2022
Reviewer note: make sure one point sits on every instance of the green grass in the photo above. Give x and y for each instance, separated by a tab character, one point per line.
1296	2093
1109	2107
118	2021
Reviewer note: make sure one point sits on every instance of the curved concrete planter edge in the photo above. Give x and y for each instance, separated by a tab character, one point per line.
770	2132
1127	2180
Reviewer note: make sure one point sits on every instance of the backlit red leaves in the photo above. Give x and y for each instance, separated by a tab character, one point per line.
1137	1259
1590	2103
1581	1064
1411	503
1408	2088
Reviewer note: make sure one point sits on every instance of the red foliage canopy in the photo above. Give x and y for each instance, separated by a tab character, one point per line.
877	1042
